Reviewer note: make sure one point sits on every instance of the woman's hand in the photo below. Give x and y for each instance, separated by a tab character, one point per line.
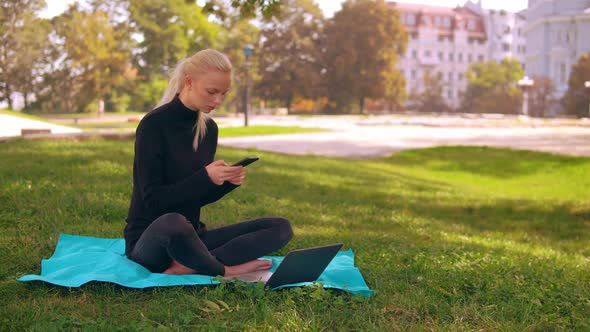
219	172
238	179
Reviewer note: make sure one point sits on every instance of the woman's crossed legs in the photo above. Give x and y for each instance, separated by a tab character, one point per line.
171	245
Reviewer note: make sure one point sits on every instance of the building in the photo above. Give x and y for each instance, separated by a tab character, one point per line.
443	42
505	32
557	34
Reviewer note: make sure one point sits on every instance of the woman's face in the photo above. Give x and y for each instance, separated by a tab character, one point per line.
207	90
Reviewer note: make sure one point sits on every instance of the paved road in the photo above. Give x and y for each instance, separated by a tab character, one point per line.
11	126
376	138
355	137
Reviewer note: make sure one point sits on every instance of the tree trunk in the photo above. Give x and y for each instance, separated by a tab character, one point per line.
26	100
362	105
7	94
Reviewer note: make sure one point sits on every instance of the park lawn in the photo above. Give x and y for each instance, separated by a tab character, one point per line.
265	130
453	238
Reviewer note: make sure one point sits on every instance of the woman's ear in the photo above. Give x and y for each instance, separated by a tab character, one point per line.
188	82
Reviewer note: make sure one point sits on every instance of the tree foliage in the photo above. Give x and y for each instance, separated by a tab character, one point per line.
364	41
492	87
577	97
541	96
22	37
431	98
291	58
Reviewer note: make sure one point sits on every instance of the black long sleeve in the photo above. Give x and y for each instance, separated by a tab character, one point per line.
168	175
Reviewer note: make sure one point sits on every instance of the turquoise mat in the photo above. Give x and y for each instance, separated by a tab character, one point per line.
81	259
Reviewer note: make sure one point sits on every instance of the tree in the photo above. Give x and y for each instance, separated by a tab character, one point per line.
431	98
577	97
290	58
246	8
364	41
21	36
541	96
492	87
95	54
170	30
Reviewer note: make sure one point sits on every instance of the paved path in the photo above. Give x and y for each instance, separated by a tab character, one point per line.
354	137
11	126
369	138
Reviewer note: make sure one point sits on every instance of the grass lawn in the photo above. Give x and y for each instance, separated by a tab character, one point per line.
265	130
90	114
457	239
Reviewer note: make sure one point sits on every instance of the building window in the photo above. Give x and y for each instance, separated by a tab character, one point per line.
441	38
414	35
471	24
411	19
451	56
450	76
507	30
439	75
460	57
414	54
505	47
450	94
447	22
519	31
562	70
413	73
480	58
427	53
440	56
437	21
460	76
469	58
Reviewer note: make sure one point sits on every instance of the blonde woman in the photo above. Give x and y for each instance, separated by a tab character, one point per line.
174	175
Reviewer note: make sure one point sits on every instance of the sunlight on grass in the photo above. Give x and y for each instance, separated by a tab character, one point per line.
454	238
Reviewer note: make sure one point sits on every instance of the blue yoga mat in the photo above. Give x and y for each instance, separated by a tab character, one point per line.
81	259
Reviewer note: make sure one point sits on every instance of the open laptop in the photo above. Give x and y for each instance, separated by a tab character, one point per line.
301	265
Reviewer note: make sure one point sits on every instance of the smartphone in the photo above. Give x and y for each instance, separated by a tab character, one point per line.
246	161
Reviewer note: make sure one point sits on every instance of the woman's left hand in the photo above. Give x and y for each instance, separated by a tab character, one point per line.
239	178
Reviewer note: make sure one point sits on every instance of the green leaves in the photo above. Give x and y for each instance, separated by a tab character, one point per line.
492	87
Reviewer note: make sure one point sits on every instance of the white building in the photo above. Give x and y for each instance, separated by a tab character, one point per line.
505	32
557	34
443	41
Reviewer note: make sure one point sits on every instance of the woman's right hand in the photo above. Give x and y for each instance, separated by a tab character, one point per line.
219	171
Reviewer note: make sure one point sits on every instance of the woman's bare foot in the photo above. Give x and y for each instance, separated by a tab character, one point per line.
251	266
178	269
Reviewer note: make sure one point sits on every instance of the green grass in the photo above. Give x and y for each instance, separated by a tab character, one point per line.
90	115
450	239
265	130
121	125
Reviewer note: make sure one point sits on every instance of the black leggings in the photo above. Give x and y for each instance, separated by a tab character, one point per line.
172	237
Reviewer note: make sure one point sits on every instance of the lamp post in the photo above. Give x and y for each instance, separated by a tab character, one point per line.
525	84
248	50
587	86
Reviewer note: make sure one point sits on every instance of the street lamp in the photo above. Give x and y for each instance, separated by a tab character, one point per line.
248	50
525	84
587	85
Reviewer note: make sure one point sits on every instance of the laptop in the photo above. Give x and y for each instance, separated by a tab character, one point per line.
301	265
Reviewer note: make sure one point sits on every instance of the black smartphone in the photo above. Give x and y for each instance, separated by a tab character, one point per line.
246	161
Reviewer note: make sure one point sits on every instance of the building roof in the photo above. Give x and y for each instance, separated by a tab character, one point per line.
445	19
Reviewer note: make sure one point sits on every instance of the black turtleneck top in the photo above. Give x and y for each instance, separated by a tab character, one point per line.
168	175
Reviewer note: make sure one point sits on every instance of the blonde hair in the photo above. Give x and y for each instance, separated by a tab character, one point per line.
201	62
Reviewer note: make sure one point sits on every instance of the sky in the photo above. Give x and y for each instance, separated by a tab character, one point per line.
329	7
